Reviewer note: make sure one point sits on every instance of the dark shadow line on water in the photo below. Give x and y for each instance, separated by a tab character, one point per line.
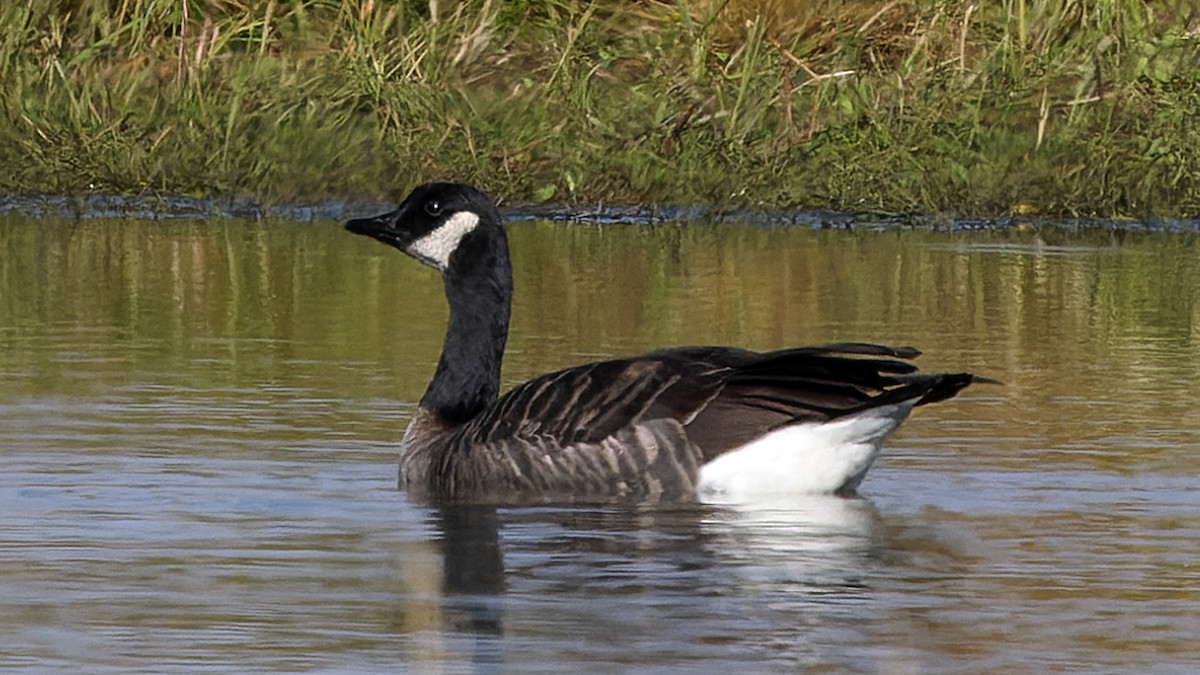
473	579
166	207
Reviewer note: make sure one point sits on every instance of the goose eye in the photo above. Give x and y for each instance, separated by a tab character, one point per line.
433	207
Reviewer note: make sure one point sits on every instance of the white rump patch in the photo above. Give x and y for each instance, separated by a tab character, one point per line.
810	458
436	247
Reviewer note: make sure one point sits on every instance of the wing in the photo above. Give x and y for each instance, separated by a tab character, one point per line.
587	404
643	426
724	396
812	384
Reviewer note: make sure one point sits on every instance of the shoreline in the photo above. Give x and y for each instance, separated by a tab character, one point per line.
160	207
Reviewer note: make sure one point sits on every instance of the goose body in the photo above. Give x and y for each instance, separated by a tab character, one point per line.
715	423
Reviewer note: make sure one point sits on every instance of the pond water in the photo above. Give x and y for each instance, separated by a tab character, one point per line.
198	427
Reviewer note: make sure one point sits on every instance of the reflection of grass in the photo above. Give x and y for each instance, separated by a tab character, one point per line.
227	307
899	106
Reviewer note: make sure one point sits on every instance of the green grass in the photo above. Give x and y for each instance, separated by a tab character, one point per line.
1053	106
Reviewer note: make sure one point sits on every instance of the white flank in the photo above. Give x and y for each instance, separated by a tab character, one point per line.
811	458
436	247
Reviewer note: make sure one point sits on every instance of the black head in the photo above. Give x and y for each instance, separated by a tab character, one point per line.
433	222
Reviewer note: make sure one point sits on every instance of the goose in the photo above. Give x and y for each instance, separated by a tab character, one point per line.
687	423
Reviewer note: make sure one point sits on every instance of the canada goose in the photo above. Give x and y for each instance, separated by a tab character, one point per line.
716	423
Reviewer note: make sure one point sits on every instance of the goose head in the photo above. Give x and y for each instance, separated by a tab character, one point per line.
443	225
456	230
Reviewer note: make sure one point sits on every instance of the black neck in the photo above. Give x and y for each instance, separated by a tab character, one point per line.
479	291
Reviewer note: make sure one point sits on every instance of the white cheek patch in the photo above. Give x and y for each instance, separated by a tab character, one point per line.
436	247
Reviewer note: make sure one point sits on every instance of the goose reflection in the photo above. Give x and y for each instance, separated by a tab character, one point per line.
668	574
473	579
812	540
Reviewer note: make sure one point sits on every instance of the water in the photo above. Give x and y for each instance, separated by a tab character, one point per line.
197	443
